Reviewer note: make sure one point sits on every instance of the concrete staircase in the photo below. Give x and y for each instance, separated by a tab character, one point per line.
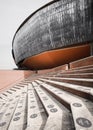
59	99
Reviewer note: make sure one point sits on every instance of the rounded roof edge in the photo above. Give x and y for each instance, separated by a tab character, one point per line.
51	2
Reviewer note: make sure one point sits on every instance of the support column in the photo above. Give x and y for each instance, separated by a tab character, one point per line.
91	49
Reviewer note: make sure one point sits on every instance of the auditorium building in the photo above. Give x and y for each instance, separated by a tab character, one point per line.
56	34
52	88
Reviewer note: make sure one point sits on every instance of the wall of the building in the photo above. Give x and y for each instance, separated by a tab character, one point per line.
11	77
63	23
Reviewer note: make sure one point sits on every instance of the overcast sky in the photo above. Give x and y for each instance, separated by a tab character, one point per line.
12	14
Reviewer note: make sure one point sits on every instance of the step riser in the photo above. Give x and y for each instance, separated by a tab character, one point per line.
75	76
83	83
76	92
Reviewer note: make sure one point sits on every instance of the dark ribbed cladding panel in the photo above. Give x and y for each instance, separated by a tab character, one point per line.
60	24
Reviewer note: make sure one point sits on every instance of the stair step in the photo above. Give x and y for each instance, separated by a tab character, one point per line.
85	62
82	67
7	116
19	120
55	114
86	92
78	81
35	120
81	116
89	70
2	103
59	100
78	75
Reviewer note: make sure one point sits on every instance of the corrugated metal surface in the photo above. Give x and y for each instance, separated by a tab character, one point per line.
60	24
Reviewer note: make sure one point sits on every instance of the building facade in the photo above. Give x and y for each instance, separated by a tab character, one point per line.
56	26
